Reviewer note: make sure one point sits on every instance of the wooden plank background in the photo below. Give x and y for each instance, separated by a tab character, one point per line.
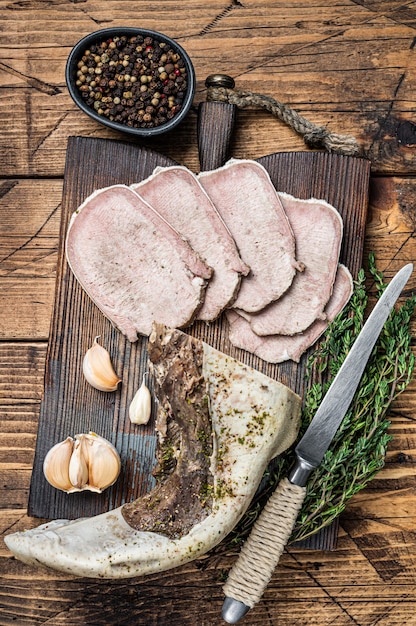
349	66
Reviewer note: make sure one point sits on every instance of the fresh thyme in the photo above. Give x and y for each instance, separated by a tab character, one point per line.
358	449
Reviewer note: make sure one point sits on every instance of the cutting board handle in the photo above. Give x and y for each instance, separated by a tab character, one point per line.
216	121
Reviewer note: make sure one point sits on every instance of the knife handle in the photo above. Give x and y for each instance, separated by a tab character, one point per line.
261	552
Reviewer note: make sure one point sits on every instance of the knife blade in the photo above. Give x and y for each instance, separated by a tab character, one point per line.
261	552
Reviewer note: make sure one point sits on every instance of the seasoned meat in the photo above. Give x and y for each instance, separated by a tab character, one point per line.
182	496
176	194
221	422
133	264
279	348
317	227
247	201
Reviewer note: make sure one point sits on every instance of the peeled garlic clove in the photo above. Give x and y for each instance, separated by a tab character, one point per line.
78	468
141	405
98	369
56	464
103	462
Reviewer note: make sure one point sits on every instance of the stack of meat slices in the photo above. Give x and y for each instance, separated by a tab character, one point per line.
179	247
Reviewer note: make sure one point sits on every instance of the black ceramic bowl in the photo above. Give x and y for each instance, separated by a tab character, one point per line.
173	105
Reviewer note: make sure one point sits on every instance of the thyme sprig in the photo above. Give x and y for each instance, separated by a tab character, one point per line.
358	449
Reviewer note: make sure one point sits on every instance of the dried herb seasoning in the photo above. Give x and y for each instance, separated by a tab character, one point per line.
137	81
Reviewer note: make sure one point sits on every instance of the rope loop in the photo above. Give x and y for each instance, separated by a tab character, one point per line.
313	136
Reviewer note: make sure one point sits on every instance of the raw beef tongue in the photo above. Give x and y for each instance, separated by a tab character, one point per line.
248	203
279	348
133	264
176	194
317	227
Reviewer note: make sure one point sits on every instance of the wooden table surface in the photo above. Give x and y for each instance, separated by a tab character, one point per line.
348	65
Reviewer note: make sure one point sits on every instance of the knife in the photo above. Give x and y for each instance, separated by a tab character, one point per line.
261	552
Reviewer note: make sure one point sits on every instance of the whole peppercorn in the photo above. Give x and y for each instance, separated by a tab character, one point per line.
135	81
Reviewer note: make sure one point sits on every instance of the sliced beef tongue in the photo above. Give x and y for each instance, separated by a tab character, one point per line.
133	264
167	250
318	228
176	194
249	205
279	348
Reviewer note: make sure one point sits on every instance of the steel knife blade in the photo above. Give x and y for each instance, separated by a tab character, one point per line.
261	552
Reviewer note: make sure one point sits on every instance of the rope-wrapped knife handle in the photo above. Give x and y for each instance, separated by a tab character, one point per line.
261	552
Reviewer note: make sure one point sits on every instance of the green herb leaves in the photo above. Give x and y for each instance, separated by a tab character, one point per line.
358	449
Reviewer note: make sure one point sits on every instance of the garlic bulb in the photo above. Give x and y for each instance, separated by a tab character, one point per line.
141	405
88	462
98	369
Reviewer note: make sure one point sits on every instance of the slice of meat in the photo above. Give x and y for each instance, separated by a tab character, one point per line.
318	228
247	201
279	348
176	194
133	264
221	423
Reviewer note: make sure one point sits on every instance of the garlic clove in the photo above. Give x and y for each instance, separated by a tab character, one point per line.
78	468
56	464
141	405
103	462
98	369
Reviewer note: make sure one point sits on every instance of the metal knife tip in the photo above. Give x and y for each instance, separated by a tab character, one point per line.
406	270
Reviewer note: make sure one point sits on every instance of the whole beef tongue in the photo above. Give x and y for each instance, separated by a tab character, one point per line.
224	422
248	203
133	264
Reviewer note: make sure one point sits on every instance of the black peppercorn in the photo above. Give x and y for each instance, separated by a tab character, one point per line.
140	81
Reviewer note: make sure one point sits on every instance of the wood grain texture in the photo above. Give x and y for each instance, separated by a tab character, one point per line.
347	65
30	216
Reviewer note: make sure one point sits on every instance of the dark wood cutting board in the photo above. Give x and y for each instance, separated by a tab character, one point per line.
69	405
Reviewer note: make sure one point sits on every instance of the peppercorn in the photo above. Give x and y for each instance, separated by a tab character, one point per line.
136	81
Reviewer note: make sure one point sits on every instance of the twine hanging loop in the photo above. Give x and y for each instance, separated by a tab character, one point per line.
221	88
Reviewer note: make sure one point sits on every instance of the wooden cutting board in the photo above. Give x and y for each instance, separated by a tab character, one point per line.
69	405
